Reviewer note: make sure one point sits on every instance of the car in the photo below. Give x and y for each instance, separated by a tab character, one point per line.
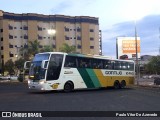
13	77
5	77
157	80
145	77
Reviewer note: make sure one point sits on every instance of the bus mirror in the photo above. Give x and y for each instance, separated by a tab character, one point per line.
44	64
27	64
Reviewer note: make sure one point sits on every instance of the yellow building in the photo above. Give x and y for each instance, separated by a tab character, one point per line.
17	29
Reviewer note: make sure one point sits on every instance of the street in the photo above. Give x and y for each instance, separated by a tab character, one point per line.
17	97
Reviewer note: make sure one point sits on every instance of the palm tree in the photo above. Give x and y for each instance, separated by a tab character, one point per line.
33	47
68	49
47	48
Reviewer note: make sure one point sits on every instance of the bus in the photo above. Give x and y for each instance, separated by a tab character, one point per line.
68	71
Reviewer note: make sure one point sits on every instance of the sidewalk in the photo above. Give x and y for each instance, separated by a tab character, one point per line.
146	83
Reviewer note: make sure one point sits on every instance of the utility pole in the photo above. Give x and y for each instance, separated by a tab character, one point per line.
159	41
137	63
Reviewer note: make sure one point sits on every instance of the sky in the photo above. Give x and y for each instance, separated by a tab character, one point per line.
116	18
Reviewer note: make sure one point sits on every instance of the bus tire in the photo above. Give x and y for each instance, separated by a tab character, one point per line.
123	84
116	84
68	87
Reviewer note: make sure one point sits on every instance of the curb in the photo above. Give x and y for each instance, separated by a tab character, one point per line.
152	87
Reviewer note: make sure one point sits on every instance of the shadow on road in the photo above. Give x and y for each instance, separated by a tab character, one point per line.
108	89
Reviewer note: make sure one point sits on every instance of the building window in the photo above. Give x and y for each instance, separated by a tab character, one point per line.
54	46
10	27
10	46
2	56
66	29
40	37
54	37
79	38
25	36
11	54
1	38
91	30
10	37
79	46
91	47
39	28
66	38
25	28
25	45
1	30
2	48
78	29
40	46
91	38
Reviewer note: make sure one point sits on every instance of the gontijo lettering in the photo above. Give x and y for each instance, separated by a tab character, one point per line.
113	72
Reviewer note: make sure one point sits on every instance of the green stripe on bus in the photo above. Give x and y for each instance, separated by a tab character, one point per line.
93	77
86	78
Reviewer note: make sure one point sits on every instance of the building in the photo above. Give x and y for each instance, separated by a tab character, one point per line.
17	29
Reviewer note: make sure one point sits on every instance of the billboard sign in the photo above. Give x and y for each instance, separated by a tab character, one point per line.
126	47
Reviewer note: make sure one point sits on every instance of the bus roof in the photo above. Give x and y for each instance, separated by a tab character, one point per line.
87	55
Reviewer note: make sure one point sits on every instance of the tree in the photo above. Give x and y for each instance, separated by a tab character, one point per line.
47	48
153	65
9	67
19	64
68	49
33	47
24	51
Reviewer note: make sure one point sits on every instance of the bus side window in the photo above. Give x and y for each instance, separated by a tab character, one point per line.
112	65
70	61
107	64
84	63
130	66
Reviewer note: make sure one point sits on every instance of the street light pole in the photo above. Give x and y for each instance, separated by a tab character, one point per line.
51	32
17	55
137	64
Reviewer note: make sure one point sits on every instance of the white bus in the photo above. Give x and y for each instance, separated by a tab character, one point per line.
66	71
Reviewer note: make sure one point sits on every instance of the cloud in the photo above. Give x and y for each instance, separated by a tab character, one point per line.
147	30
60	7
73	7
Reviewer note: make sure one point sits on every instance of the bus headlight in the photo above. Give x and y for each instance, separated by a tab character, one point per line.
41	82
29	81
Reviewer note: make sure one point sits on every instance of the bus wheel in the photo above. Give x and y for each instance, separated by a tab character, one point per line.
116	84
123	84
68	87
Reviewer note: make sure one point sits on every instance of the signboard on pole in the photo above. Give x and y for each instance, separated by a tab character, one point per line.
126	47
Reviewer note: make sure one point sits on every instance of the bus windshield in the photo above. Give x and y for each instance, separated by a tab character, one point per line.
36	72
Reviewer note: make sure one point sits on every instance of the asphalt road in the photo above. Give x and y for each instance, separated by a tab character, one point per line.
17	97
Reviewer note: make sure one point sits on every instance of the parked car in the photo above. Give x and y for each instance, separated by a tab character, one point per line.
157	80
5	77
13	77
145	77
